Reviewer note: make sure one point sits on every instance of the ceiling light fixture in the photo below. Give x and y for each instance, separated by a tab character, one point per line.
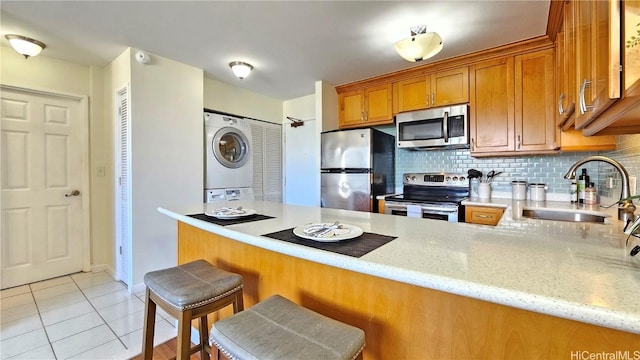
25	46
240	69
420	46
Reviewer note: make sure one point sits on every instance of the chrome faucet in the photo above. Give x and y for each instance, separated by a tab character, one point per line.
625	205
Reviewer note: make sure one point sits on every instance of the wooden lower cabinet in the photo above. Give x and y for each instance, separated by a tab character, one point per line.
484	215
400	321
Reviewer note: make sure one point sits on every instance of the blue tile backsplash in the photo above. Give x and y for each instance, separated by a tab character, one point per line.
548	169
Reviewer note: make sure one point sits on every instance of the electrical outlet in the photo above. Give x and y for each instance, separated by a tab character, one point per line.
100	171
609	182
632	185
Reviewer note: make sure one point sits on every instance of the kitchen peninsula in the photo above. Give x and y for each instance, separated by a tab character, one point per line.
523	289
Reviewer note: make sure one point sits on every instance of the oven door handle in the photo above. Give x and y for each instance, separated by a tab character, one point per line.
403	207
445	126
439	209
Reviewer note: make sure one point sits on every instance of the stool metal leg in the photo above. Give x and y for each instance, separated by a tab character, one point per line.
149	327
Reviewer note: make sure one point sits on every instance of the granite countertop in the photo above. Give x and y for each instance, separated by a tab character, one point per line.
578	271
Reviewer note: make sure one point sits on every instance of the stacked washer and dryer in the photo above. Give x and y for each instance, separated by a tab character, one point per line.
229	158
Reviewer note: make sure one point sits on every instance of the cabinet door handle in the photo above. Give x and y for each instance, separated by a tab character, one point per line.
473	145
583	104
482	216
433	99
518	142
560	101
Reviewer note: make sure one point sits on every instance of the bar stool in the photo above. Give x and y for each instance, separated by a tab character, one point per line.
187	292
277	328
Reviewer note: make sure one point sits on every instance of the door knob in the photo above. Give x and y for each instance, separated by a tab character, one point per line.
73	193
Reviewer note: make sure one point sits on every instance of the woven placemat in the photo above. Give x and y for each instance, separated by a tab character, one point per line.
225	222
355	247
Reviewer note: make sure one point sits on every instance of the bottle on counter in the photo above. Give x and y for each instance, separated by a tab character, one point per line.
573	192
583	180
590	195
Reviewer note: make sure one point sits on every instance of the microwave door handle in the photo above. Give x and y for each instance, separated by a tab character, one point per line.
445	126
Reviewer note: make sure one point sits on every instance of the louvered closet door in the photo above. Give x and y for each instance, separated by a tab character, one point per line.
272	186
42	161
267	161
123	195
257	141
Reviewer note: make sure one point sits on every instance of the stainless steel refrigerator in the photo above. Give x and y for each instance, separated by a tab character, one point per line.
356	166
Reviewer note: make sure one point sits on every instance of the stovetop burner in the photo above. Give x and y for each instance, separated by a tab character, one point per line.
433	188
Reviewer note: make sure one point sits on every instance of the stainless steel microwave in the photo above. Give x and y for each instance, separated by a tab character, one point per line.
443	127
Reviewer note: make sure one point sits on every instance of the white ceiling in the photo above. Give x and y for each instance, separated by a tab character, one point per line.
291	44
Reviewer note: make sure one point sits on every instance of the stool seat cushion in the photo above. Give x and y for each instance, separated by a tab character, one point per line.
277	328
192	285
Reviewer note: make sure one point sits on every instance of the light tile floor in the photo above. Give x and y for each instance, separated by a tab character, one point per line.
80	316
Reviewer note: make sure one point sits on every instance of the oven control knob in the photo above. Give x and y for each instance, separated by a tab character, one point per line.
455	178
448	178
413	178
461	178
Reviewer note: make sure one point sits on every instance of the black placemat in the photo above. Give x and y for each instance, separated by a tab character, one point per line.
225	222
355	247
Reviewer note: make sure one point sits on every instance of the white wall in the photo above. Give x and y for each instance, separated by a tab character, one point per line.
166	155
301	170
302	144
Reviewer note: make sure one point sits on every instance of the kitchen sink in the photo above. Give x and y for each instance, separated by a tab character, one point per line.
563	216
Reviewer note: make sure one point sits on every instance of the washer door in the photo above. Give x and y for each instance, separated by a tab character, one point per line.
230	147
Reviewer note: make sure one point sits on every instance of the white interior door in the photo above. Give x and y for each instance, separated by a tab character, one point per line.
43	226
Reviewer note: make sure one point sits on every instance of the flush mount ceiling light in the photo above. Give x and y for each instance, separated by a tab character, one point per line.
240	69
25	46
420	46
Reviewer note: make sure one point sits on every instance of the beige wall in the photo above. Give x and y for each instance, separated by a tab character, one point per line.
233	100
327	105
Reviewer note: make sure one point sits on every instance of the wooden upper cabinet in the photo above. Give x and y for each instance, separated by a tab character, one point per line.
439	89
598	58
365	107
512	104
412	94
491	93
450	87
535	120
623	117
570	138
566	68
378	104
351	105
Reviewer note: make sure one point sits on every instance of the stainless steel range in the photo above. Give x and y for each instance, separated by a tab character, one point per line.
430	196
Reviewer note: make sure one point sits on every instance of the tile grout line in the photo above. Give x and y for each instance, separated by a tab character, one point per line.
103	319
44	329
